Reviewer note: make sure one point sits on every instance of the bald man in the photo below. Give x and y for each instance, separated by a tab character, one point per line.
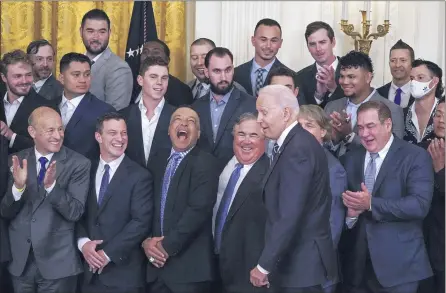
45	197
298	255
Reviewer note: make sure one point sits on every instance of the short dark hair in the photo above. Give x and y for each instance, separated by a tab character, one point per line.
66	60
356	59
164	45
151	61
402	45
14	57
34	46
106	117
203	41
280	71
384	112
435	70
317	25
219	52
267	22
96	14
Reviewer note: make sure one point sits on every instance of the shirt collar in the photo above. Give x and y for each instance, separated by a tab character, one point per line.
412	108
206	86
97	56
225	97
39	155
405	88
158	108
247	167
284	134
334	64
41	82
74	101
349	103
256	66
113	164
182	154
382	153
19	100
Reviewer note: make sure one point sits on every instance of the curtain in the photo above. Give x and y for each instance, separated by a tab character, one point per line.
59	23
421	24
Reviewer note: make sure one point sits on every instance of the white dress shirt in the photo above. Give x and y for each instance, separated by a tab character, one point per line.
17	194
415	120
223	182
350	221
353	108
149	126
10	111
114	165
68	107
97	56
405	94
334	65
39	84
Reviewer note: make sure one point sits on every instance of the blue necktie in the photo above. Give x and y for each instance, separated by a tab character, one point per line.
104	184
225	203
398	96
42	171
170	171
259	80
370	172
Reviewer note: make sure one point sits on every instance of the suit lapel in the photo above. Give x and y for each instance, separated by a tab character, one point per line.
92	195
311	82
248	76
204	109
101	61
21	114
135	128
230	109
78	113
161	130
389	161
47	86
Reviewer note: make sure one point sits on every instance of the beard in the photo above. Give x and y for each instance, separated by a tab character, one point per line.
96	51
19	92
221	91
43	73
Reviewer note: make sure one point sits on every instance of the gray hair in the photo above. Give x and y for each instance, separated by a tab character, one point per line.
317	114
283	96
248	116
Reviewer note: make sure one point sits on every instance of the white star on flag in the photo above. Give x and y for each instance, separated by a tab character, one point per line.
130	52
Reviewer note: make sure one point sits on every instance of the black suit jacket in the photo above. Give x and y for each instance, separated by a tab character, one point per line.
298	248
222	148
161	140
243	234
306	81
122	221
384	92
52	89
187	217
79	132
19	124
5	252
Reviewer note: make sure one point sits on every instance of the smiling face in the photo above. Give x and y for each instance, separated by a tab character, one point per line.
46	130
43	62
439	121
267	41
321	47
272	118
18	79
197	55
355	82
154	82
249	142
184	129
400	64
374	134
95	35
112	139
311	125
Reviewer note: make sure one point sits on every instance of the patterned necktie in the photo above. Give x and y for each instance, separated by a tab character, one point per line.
259	80
370	172
170	171
198	89
223	208
398	96
42	171
275	152
104	184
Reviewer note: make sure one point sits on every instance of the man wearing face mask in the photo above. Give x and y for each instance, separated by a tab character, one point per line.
426	87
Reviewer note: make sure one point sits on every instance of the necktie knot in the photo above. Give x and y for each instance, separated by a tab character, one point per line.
43	161
260	70
175	156
41	175
399	91
106	167
374	156
238	166
276	148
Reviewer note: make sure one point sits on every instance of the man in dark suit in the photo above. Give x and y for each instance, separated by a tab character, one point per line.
178	93
239	213
298	255
148	120
220	108
390	191
42	55
180	250
319	81
19	101
400	62
46	195
267	40
78	107
118	215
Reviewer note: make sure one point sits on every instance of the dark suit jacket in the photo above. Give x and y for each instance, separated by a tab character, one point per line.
187	217
2	89
5	253
79	132
306	81
244	232
384	91
19	124
46	221
122	221
161	140
52	89
222	148
392	230
298	200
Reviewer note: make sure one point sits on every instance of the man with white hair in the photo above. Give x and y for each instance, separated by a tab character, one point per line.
298	255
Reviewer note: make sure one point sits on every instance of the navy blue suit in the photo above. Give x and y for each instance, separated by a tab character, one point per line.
388	240
79	132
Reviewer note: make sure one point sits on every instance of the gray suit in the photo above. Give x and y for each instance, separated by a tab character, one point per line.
397	119
112	80
41	229
193	83
51	89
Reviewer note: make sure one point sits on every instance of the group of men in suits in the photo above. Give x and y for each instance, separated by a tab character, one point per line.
141	193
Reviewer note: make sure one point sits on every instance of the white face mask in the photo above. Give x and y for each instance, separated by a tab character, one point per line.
419	89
